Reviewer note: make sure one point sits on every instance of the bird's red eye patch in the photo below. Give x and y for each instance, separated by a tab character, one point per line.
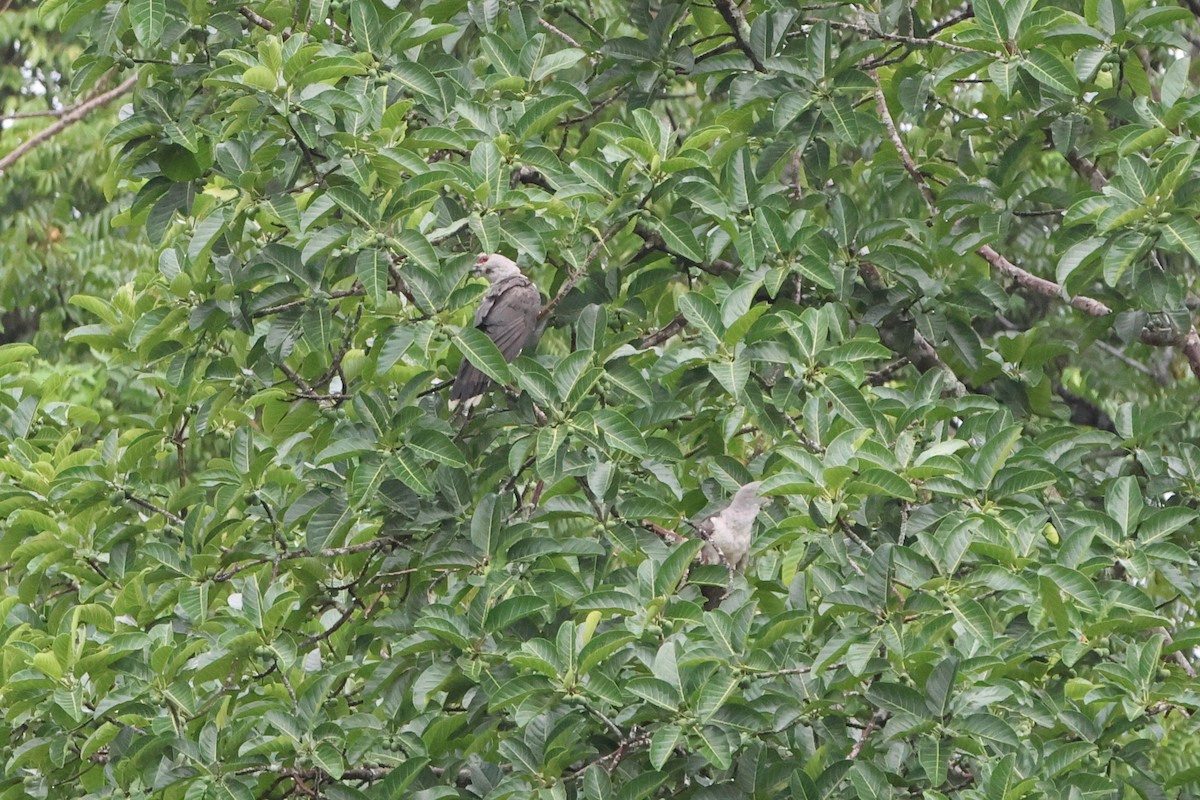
481	260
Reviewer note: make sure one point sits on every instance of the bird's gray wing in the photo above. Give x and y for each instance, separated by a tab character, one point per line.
512	317
507	314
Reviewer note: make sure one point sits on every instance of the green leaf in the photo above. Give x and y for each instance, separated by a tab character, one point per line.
1175	80
716	745
1050	71
373	270
415	78
1183	233
1004	75
849	403
703	314
554	62
148	18
714	693
483	354
680	239
436	446
1079	254
882	482
732	375
654	691
663	744
933	754
992	456
603	645
897	697
992	19
620	432
990	729
675	565
1123	502
974	619
409	472
513	609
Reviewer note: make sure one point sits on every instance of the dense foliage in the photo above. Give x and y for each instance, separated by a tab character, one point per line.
926	270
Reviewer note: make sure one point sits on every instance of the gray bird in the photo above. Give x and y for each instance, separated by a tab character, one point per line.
507	314
727	536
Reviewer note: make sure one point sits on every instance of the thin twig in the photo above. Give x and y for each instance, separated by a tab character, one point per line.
77	113
1126	360
577	274
596	109
566	10
147	505
329	552
50	112
560	33
357	291
914	41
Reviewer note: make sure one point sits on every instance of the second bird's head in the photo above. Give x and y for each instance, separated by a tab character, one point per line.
494	266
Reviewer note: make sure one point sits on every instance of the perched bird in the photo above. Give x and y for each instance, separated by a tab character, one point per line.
727	535
507	314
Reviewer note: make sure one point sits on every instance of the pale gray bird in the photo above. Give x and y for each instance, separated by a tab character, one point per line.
727	536
507	314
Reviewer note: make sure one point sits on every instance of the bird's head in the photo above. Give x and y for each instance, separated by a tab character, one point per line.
494	266
749	494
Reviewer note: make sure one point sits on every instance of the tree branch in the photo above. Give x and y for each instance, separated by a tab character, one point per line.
560	33
1041	286
374	545
740	30
68	119
1187	341
1001	264
1087	169
665	533
174	519
257	19
914	41
664	333
576	275
356	291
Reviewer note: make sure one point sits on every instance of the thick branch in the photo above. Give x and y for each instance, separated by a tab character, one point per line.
1188	342
740	30
68	119
1001	264
1041	286
665	533
663	334
1087	169
257	19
